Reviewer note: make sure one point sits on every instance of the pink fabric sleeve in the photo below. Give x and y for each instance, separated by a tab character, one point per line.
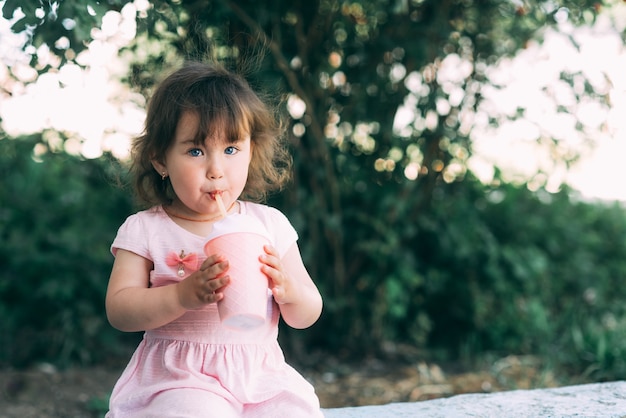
283	233
132	236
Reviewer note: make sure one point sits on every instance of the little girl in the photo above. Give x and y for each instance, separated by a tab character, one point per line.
206	133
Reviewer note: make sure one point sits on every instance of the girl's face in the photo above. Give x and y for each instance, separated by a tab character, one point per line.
198	172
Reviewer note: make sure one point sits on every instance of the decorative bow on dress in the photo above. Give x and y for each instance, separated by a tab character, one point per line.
182	261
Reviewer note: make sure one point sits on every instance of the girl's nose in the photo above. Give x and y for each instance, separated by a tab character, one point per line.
215	169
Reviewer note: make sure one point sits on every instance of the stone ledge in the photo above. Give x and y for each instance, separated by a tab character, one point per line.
590	400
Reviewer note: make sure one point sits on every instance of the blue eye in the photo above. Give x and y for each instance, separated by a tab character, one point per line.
230	150
195	152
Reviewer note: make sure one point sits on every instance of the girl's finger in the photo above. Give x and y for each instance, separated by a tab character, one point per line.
212	260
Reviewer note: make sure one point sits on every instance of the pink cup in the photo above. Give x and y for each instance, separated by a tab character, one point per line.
240	239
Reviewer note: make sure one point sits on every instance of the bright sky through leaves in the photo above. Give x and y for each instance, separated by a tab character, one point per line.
97	112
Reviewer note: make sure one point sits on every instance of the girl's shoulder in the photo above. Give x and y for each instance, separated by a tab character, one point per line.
137	231
265	213
145	219
276	223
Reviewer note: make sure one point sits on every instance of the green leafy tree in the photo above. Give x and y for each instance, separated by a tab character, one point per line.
365	193
54	253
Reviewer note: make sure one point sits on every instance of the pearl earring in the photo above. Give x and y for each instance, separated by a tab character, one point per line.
163	176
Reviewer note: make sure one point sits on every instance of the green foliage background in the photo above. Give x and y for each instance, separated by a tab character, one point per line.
486	270
446	265
58	217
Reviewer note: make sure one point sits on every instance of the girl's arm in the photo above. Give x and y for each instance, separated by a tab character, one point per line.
132	305
299	299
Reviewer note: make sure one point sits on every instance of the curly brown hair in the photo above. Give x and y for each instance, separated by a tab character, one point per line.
225	103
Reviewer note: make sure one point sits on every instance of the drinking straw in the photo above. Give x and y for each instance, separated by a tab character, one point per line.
220	205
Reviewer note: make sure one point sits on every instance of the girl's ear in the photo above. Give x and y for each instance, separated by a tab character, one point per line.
160	168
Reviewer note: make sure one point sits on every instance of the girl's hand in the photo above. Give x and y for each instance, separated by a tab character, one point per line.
297	296
205	285
282	286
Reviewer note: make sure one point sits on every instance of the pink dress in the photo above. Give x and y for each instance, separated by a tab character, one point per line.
195	367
